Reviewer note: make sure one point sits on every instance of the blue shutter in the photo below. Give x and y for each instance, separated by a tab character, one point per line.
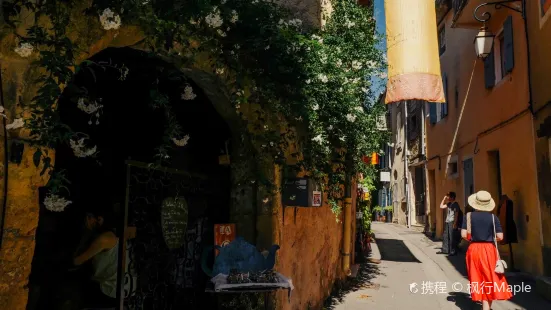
489	71
432	112
509	52
445	104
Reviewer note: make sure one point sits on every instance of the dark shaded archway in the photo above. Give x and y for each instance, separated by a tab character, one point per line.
128	128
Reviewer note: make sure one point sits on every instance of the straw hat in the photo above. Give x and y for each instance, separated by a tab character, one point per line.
482	201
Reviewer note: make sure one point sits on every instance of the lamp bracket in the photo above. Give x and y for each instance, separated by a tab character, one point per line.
485	16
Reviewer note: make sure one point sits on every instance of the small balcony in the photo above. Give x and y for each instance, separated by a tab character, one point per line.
464	12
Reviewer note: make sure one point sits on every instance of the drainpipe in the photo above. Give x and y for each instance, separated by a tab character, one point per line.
406	170
347	222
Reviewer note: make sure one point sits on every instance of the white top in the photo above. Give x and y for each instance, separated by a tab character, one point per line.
105	270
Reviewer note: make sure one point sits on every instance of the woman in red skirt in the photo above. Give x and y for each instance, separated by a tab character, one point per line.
485	284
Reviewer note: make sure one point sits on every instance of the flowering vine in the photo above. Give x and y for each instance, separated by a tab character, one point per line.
315	81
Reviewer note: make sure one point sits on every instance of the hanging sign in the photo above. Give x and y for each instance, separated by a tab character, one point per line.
412	52
224	234
174	216
316	199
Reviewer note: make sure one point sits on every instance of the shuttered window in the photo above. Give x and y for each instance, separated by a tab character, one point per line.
432	113
445	104
508	42
489	71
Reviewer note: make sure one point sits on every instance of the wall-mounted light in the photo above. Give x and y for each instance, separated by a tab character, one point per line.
484	40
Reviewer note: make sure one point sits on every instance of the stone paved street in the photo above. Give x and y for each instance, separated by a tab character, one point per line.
407	257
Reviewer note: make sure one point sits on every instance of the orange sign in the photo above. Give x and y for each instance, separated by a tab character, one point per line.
223	234
374	159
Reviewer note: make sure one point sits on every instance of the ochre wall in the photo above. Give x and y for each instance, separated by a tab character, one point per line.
469	131
539	31
310	243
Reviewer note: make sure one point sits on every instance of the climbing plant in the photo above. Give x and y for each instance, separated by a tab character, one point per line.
315	81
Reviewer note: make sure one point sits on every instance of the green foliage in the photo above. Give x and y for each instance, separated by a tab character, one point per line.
317	80
389	208
377	209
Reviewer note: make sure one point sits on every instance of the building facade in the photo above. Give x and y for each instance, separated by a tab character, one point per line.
407	156
481	138
539	30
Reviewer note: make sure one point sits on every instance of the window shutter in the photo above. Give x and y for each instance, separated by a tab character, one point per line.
509	61
432	112
489	71
445	104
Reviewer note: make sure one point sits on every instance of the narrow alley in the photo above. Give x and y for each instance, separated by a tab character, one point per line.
411	275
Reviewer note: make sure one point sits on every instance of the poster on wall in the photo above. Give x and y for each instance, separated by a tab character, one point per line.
316	199
223	235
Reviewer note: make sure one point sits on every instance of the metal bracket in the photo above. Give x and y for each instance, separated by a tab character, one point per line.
485	16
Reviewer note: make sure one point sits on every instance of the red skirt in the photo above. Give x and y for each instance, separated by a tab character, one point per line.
485	283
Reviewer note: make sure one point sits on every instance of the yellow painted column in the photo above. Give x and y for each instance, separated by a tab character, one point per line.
347	235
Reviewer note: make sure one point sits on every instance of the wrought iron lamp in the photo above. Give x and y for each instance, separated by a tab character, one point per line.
484	40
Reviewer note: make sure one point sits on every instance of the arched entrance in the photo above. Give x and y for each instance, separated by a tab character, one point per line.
159	266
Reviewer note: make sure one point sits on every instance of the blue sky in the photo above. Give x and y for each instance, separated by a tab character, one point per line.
378	84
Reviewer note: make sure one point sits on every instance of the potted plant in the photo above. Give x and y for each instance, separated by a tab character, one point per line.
377	212
388	213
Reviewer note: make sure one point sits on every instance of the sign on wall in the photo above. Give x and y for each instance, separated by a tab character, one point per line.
224	234
385	176
174	216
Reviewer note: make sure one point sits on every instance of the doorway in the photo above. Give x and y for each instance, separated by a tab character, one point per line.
468	182
432	197
131	129
420	201
494	167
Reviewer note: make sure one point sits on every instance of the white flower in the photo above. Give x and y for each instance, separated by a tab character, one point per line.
315	107
214	20
323	78
330	127
24	50
265	200
338	63
323	58
79	149
371	64
351	118
318	139
295	22
55	203
356	65
267	47
349	24
109	20
181	142
359	109
188	93
221	33
383	75
317	38
192	21
88	108
17	123
219	71
234	17
308	81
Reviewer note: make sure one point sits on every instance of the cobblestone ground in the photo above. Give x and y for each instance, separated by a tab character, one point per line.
410	260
